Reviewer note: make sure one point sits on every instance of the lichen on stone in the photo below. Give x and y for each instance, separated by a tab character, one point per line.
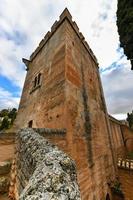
43	170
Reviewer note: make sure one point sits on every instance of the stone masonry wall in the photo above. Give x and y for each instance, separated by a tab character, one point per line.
126	180
45	105
122	137
125	172
42	170
87	121
117	137
70	96
128	137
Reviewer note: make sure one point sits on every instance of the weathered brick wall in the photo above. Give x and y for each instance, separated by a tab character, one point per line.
117	137
128	137
125	172
45	106
87	120
42	170
122	137
126	179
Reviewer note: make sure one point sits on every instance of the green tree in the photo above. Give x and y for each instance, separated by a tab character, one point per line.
12	115
130	119
125	27
8	116
5	123
4	112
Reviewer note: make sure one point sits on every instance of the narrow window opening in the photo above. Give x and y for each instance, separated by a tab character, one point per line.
30	123
39	79
35	82
107	197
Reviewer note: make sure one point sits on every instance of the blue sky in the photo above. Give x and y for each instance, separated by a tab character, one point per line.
23	23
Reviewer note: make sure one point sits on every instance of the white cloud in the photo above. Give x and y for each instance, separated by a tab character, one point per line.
97	21
23	23
32	20
10	66
7	100
118	87
120	116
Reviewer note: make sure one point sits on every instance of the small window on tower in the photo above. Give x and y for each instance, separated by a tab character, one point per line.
30	124
39	79
36	82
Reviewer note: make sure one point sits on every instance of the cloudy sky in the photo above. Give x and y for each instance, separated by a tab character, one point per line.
23	23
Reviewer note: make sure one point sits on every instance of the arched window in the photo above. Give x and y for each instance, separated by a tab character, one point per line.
107	197
30	123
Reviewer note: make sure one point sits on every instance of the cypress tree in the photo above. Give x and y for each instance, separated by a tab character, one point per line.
125	27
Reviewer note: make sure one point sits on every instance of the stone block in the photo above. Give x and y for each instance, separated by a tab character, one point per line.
4	184
5	167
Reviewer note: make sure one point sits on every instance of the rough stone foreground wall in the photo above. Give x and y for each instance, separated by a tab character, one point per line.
42	170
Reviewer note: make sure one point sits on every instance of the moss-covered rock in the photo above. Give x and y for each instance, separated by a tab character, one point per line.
4	184
5	167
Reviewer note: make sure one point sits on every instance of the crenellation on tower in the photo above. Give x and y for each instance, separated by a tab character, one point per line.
65	15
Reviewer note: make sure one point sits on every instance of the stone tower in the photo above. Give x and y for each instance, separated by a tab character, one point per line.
63	90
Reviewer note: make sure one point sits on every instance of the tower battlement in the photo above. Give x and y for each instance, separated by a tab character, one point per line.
65	15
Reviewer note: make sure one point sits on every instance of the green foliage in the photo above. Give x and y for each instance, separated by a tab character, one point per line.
130	155
4	112
116	189
125	26
130	119
12	115
5	123
7	118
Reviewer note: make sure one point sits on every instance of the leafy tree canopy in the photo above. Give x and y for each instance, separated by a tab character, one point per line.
4	112
7	118
5	123
130	119
125	27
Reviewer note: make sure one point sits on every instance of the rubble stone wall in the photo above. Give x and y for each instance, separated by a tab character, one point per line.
42	170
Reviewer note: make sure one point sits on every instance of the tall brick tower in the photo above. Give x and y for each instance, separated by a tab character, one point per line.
63	90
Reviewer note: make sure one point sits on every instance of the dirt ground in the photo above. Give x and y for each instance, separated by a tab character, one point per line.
4	197
7	146
6	152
